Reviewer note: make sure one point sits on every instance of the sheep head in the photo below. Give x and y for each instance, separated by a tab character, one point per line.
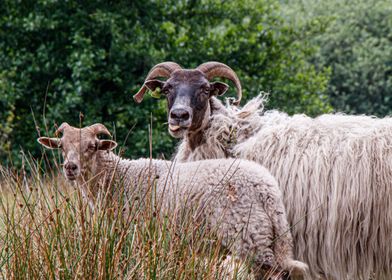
79	147
188	92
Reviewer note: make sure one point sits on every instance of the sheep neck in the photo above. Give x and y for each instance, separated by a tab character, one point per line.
195	139
108	174
95	176
226	127
112	167
198	137
109	168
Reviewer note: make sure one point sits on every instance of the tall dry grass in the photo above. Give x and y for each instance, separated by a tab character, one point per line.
47	231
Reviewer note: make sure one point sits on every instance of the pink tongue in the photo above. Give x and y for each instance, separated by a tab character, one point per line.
174	127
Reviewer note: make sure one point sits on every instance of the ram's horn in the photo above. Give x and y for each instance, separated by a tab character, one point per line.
214	69
61	128
163	70
99	128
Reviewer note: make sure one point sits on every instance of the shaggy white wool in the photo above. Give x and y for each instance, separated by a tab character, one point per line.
338	169
335	172
238	197
227	127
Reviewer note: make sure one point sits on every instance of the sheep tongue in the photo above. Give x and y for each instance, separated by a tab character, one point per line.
174	127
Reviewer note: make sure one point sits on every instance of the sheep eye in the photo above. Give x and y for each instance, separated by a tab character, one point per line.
205	90
92	147
165	91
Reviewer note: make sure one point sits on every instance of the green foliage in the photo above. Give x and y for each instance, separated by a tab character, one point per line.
357	46
60	58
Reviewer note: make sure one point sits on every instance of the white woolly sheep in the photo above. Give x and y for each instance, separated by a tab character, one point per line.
246	201
335	171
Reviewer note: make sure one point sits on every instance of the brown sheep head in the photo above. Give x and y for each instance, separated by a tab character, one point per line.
188	92
79	147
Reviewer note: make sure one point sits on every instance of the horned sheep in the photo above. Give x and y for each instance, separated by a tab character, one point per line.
246	201
335	171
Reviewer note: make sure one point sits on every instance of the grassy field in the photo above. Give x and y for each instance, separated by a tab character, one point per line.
47	231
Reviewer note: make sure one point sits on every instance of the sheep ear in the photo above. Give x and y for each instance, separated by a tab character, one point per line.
218	88
49	143
106	145
154	84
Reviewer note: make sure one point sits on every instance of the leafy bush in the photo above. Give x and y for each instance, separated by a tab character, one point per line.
60	58
357	46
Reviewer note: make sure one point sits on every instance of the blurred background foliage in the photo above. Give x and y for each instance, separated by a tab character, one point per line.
62	58
356	45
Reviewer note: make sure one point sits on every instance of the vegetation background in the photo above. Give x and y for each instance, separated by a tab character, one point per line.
60	58
63	59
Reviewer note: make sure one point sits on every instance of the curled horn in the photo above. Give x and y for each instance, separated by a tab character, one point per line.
216	69
163	69
61	128
99	128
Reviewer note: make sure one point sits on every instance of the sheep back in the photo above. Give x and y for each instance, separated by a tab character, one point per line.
336	175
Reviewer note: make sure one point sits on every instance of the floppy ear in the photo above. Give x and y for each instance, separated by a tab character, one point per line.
153	84
106	145
49	143
218	88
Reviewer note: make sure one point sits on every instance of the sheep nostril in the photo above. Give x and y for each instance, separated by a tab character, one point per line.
180	114
71	166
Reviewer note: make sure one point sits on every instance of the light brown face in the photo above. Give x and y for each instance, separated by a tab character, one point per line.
79	148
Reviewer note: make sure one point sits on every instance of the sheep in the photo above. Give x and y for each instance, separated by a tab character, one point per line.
335	171
246	200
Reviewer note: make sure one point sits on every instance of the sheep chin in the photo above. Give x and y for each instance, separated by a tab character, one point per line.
70	177
178	132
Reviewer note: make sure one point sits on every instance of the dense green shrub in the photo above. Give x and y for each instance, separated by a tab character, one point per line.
60	58
357	46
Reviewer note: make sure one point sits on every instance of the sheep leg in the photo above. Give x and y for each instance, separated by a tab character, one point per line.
283	241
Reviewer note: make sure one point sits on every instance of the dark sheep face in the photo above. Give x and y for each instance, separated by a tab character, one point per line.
187	93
